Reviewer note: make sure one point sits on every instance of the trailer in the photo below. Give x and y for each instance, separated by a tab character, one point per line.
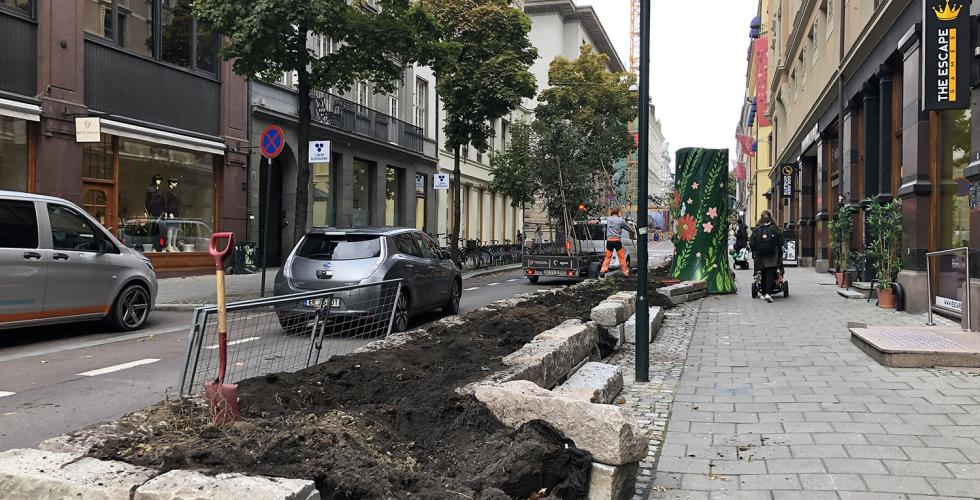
578	260
582	266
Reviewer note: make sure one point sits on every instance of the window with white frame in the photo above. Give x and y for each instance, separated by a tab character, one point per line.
363	93
393	109
421	103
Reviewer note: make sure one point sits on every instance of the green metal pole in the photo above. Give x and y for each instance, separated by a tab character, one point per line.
642	301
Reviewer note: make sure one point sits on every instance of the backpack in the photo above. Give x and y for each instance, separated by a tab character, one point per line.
768	244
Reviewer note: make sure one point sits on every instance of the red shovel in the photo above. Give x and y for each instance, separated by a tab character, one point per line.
222	397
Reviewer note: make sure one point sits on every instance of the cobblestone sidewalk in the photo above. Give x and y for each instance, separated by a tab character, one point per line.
775	402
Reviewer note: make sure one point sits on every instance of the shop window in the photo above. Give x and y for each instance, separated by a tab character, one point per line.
393	196
323	199
954	188
166	197
14	156
20	6
361	212
174	36
420	190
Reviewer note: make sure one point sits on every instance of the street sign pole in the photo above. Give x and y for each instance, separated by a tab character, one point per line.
642	301
266	223
271	142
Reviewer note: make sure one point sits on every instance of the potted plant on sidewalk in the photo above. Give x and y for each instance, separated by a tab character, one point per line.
842	227
885	227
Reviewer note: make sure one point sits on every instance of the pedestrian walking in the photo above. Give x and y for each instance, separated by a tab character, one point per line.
614	241
767	244
741	236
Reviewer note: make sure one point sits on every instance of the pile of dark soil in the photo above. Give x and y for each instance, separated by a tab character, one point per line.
385	424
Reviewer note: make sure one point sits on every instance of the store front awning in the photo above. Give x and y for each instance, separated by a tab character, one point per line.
161	137
22	110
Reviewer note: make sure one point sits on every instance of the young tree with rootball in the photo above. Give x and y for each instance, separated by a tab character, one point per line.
265	38
482	74
598	104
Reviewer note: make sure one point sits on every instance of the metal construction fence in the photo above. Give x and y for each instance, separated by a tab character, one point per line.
290	332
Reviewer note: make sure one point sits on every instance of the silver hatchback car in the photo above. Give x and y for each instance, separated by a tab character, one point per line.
58	265
334	258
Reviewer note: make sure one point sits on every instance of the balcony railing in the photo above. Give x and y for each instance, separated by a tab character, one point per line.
349	116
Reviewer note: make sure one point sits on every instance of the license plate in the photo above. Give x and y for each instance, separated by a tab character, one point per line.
552	272
316	303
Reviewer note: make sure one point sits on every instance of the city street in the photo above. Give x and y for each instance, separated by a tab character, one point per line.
58	379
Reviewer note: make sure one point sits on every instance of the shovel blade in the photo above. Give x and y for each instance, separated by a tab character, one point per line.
223	401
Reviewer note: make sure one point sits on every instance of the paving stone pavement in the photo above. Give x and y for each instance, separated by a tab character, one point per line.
773	401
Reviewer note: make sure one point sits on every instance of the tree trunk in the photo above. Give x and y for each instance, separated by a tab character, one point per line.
302	152
458	188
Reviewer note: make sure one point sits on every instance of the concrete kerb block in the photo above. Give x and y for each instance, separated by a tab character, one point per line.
552	354
594	382
656	321
191	485
609	482
31	474
610	313
610	433
628	298
684	288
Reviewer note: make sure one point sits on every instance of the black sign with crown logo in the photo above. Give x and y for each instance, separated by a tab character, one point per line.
946	54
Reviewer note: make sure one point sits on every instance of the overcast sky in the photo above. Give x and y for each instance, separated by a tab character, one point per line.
698	65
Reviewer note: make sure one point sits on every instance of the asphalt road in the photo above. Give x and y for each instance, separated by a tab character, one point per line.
58	379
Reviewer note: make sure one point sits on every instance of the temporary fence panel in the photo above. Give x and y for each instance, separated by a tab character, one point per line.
290	332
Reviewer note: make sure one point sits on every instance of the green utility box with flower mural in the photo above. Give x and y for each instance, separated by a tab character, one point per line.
700	213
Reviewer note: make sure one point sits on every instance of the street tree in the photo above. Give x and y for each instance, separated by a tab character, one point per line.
482	74
511	170
600	105
266	38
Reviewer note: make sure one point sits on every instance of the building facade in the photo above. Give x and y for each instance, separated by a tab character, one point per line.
382	156
849	123
168	162
756	187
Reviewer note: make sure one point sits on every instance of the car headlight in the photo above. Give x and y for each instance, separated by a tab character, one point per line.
149	263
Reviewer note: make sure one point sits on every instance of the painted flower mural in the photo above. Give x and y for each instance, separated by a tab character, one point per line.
700	241
688	227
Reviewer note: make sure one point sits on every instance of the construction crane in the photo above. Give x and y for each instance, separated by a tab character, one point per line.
631	160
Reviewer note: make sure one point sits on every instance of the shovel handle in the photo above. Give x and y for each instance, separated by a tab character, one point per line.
220	255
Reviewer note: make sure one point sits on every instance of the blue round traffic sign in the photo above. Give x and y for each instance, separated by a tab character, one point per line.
272	141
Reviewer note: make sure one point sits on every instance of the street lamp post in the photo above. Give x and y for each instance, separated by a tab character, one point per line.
642	300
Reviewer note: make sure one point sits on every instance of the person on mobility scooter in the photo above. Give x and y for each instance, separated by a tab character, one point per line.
767	247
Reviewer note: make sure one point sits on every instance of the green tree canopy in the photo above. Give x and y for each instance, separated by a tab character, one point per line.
509	167
265	38
482	73
599	104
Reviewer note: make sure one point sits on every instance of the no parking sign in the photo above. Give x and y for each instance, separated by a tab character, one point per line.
272	141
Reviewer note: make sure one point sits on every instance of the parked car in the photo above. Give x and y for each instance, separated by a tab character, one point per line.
331	258
59	265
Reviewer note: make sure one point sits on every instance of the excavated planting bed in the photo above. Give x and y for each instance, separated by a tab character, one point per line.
384	424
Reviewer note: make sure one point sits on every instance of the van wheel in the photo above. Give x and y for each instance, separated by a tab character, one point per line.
131	309
533	279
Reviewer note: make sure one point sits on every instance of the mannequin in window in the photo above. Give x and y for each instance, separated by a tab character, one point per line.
155	202
172	211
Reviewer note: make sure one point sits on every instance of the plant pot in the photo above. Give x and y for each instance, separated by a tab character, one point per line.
886	298
843	280
147	247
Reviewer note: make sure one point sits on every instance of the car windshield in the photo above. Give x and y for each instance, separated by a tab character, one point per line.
340	247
